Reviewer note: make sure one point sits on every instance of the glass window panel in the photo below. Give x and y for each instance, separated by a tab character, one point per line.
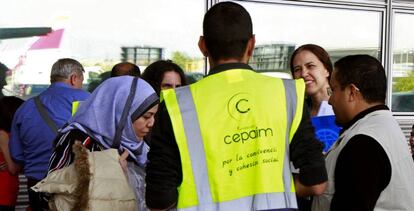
95	31
403	64
403	1
362	1
279	29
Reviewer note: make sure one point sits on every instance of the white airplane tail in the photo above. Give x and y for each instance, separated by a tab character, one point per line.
31	62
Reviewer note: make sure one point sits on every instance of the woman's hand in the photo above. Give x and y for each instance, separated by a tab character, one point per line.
3	166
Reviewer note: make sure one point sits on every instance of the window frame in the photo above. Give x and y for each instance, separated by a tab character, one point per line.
387	10
399	9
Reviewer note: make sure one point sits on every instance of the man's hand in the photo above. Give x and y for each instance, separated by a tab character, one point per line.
314	190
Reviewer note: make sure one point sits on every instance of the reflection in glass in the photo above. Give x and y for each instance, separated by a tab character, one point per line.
279	29
95	32
403	64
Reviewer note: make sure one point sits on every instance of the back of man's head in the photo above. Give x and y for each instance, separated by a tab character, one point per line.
125	68
3	70
366	73
64	68
227	28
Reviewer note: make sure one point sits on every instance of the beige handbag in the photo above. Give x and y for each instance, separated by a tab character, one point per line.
94	181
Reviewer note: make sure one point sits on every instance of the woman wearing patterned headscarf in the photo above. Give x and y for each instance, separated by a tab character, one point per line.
118	114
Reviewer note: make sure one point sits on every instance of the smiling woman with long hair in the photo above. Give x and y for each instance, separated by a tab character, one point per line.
312	63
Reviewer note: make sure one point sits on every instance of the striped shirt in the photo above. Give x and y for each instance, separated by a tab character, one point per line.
63	155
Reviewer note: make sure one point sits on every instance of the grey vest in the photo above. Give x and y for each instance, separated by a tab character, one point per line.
380	125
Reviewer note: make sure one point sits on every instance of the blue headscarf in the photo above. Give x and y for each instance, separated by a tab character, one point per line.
100	115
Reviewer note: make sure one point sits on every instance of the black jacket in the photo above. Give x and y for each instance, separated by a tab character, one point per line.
164	172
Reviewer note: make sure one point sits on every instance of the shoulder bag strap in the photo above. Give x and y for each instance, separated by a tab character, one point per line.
122	121
45	115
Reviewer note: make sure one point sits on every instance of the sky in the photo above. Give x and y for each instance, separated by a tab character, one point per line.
97	29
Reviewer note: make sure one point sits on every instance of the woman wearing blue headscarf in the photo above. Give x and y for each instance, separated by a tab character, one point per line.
118	114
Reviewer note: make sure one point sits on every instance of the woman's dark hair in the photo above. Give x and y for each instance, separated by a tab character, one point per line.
154	73
319	52
8	106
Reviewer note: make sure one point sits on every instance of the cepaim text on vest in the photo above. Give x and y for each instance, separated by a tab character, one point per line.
245	136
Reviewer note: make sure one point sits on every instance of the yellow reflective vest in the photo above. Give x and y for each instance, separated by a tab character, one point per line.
75	106
233	131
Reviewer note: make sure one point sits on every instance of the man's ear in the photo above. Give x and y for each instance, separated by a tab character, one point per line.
249	49
250	45
202	46
72	79
354	92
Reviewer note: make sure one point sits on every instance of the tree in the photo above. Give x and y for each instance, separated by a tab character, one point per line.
181	58
404	84
189	64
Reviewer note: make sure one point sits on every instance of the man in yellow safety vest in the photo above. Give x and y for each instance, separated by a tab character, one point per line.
226	142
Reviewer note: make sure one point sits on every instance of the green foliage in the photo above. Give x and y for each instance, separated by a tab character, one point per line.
404	84
106	66
181	58
93	75
187	63
102	73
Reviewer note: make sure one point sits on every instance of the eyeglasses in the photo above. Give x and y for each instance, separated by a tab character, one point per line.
356	88
329	89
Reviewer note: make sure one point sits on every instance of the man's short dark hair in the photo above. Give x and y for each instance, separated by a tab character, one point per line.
366	73
227	28
125	68
3	82
8	106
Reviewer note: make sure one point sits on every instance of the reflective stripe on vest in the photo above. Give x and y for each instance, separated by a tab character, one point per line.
75	106
196	192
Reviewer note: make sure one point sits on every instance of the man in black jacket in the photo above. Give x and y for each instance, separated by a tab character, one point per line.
228	42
